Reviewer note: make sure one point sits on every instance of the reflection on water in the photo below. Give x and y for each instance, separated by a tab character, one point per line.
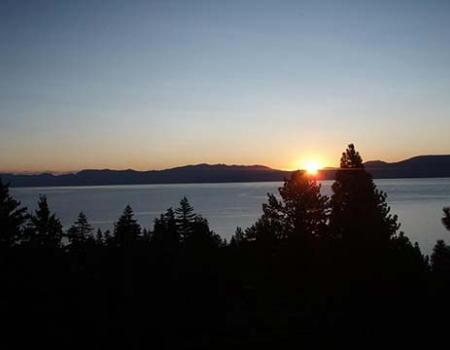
417	202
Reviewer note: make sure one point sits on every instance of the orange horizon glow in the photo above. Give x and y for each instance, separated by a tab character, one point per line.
66	162
312	168
311	164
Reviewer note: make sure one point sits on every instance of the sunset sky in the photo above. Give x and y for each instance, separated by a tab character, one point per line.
156	84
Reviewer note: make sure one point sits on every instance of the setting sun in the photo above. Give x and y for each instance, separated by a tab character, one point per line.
311	165
312	168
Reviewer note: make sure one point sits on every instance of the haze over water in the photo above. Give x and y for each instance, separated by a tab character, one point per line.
417	202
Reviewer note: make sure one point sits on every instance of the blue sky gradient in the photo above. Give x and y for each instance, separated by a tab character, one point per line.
154	84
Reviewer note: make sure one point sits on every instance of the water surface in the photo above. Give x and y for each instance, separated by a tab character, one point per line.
417	202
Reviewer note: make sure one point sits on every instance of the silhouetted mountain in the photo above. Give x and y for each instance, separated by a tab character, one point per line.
420	166
417	167
201	173
312	269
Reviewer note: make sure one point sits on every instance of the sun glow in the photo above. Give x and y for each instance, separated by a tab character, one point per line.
311	164
312	168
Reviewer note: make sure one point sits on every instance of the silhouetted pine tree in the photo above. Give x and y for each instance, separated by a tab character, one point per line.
12	218
146	235
300	214
108	240
126	229
184	216
165	232
80	232
201	236
359	212
446	218
44	229
99	239
302	208
265	231
440	258
238	237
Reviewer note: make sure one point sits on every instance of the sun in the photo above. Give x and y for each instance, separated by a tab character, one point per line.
312	168
311	165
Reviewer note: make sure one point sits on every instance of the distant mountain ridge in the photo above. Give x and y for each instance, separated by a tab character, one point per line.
200	173
416	167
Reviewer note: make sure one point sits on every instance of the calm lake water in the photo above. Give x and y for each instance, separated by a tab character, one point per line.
417	202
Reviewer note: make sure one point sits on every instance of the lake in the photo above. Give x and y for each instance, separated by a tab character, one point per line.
417	202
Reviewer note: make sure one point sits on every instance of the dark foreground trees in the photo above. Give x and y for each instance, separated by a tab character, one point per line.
300	214
311	269
12	218
80	233
359	212
44	229
440	259
446	218
342	257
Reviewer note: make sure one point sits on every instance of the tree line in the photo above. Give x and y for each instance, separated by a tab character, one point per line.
312	268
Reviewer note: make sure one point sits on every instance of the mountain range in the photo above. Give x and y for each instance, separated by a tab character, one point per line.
416	167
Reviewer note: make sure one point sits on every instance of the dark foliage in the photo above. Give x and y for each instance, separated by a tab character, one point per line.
81	232
300	215
440	259
311	270
126	229
359	212
44	229
446	218
12	218
185	217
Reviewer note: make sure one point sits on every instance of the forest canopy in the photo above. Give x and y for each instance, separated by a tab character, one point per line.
311	266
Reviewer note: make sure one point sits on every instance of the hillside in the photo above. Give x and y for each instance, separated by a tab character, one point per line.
201	173
416	167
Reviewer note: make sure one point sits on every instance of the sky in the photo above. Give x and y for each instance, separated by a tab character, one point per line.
157	84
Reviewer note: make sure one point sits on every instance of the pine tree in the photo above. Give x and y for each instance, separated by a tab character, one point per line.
108	240
165	231
440	258
45	229
185	217
126	229
237	238
80	232
359	212
12	218
302	207
202	239
446	218
192	230
265	231
146	235
300	214
99	238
